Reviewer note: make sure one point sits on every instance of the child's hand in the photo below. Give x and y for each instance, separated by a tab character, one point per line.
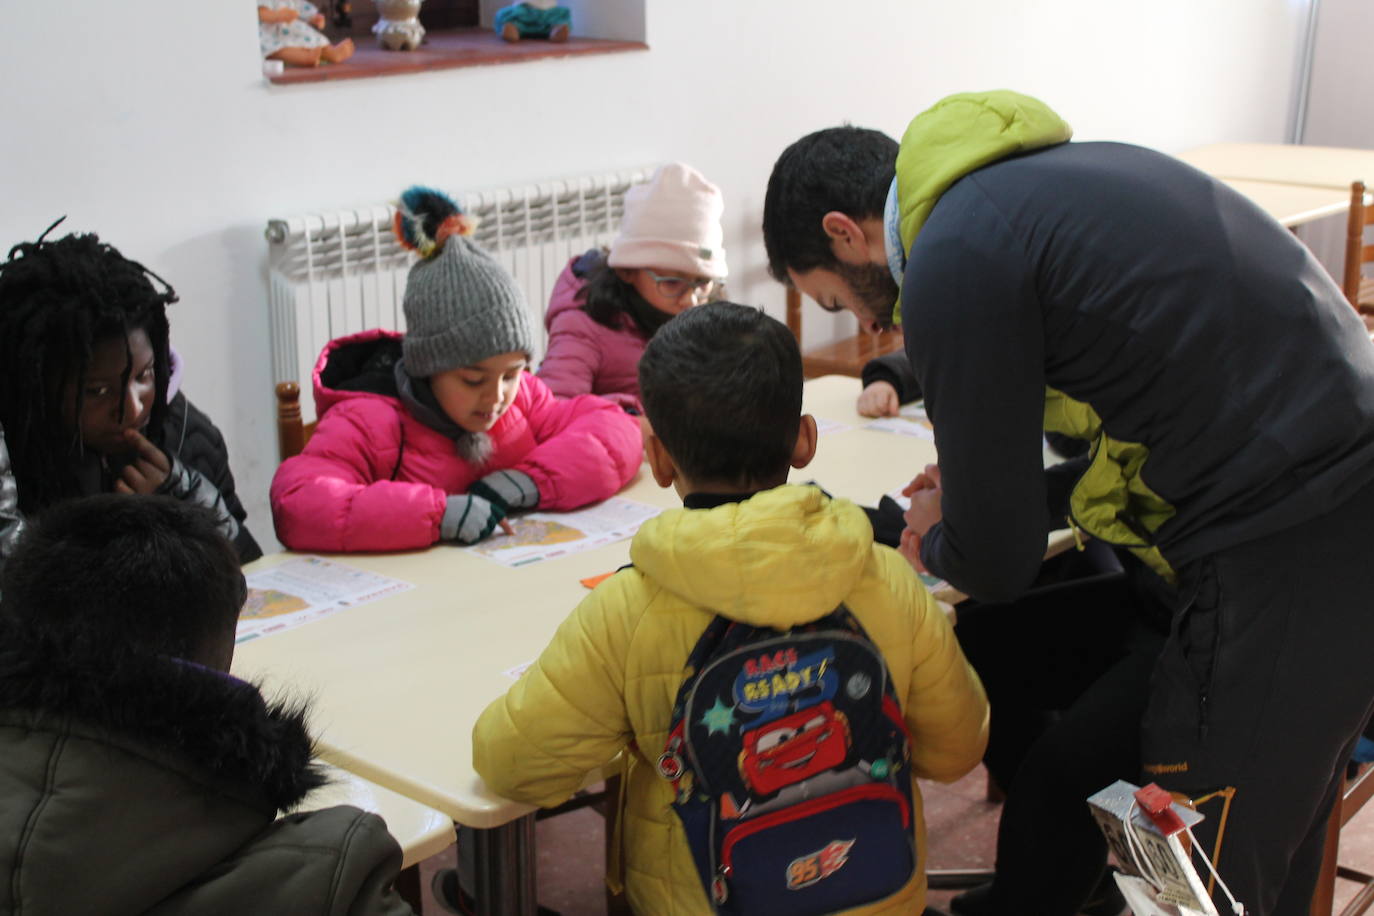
508	490
317	20
910	547
879	400
149	469
925	494
468	518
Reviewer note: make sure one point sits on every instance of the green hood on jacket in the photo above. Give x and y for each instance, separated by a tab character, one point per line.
960	134
780	558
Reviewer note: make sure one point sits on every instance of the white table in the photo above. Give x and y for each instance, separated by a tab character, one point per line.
1293	184
397	684
1293	205
1284	163
421	831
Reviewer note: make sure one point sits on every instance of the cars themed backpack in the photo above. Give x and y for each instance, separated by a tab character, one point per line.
790	765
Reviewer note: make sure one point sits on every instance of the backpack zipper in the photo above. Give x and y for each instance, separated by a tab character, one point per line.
872	791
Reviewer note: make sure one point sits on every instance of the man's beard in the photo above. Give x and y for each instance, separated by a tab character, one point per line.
874	289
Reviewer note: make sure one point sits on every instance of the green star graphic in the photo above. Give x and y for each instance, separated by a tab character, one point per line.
719	718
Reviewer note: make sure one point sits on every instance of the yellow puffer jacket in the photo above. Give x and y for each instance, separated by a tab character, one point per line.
607	681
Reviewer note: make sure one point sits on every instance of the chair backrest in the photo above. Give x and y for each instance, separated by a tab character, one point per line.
1354	243
292	434
1357	253
1356	789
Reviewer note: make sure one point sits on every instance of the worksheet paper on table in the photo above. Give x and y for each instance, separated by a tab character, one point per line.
544	535
911	420
305	589
825	427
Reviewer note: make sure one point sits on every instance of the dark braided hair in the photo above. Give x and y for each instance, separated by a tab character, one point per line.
58	301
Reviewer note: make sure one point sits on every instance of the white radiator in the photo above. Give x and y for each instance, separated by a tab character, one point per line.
333	273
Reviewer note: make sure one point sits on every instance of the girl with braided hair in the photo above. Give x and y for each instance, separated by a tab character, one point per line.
88	398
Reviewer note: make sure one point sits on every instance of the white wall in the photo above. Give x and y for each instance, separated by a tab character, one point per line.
148	121
1340	107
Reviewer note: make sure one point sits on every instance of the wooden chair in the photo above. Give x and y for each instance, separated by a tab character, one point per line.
844	357
292	434
1357	789
1358	288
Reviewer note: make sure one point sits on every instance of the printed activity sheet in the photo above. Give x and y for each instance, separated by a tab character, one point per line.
515	672
544	535
305	589
911	420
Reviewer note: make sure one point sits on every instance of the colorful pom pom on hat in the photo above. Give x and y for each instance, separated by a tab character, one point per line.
461	306
425	218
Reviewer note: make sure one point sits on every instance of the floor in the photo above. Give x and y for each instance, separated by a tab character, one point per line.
961	824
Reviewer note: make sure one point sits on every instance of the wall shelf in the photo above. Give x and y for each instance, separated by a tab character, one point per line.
446	49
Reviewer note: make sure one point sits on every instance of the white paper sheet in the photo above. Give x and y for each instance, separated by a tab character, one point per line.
544	535
305	589
911	420
825	427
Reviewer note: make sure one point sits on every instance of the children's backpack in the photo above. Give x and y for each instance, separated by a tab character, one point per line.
790	763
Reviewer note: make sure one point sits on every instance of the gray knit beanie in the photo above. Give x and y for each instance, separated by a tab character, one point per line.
461	306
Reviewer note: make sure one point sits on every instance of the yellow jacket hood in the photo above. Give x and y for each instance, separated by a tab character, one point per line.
961	133
608	680
780	558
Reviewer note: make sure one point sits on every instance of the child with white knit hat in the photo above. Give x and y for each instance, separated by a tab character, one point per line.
668	256
439	433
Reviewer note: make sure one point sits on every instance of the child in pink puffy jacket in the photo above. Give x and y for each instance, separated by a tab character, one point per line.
668	256
439	433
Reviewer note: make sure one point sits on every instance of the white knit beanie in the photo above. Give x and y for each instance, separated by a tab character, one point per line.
672	222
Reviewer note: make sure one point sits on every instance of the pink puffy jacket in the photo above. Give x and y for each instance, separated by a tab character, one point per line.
585	357
373	477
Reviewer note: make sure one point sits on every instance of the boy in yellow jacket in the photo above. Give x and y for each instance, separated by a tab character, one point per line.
722	389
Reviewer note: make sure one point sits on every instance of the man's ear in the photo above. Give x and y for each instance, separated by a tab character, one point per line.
847	239
626	274
660	462
805	449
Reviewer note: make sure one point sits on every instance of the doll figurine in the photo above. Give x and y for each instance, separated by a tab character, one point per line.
288	31
534	19
399	28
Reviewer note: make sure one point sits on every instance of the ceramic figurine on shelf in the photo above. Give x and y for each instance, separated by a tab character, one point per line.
398	28
534	19
288	31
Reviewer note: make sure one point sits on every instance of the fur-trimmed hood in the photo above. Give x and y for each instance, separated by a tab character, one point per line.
209	725
151	786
